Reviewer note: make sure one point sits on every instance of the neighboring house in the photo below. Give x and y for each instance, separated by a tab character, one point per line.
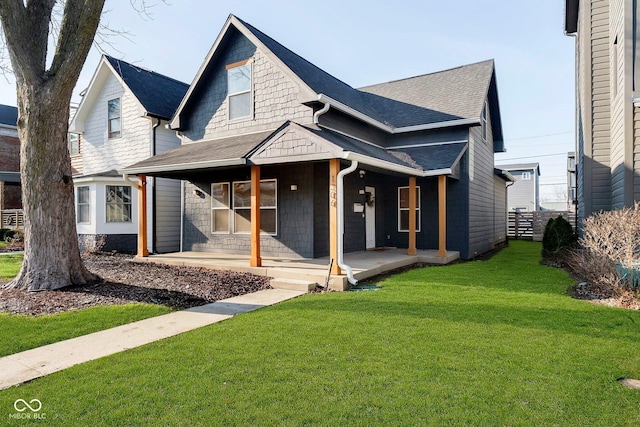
121	119
608	102
524	194
10	190
273	143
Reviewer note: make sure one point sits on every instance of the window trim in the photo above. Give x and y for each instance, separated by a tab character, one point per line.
246	62
87	203
274	207
483	123
71	153
228	208
418	210
110	134
107	203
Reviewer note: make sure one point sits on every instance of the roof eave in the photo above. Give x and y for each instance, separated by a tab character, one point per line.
209	164
393	167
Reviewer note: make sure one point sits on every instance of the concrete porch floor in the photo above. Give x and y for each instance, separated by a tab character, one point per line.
365	264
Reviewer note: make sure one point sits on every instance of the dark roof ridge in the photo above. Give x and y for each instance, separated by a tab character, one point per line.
164	76
428	74
254	29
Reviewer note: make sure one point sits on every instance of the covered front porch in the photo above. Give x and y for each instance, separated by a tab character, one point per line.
300	273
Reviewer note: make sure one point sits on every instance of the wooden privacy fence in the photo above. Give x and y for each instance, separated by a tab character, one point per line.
12	218
530	225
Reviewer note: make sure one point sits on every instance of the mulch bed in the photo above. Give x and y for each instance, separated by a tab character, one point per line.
123	281
601	296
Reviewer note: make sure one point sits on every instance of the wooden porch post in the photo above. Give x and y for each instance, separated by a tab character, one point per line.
412	216
255	261
143	250
334	169
442	216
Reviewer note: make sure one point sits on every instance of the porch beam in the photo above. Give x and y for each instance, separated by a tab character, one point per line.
334	169
255	260
143	250
442	216
412	216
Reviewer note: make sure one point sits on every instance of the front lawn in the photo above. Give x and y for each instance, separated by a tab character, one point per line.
495	342
10	265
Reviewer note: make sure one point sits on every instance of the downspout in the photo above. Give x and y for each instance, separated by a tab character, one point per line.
340	195
317	114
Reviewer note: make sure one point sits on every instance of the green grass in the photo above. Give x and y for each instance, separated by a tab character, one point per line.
495	342
10	265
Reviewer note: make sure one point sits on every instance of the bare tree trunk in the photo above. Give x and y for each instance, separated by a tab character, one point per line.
52	257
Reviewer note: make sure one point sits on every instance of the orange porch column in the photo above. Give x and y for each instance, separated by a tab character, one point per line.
255	260
412	216
143	250
334	169
442	216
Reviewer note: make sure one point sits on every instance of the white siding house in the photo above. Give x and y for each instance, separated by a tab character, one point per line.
121	119
524	194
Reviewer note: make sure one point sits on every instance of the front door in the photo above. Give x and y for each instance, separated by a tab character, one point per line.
370	217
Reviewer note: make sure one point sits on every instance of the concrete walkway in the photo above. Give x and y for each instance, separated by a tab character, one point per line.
25	366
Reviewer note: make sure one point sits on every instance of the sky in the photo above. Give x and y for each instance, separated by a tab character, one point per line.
364	43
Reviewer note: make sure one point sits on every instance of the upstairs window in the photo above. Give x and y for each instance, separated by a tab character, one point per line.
114	118
74	144
239	90
483	122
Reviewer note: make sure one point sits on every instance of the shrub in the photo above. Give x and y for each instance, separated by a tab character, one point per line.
558	239
13	236
3	232
610	242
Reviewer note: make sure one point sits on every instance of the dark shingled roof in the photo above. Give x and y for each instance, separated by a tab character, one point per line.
436	156
159	95
105	174
432	98
234	147
8	115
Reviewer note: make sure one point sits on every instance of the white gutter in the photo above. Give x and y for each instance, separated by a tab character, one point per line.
390	129
185	166
406	170
340	195
125	176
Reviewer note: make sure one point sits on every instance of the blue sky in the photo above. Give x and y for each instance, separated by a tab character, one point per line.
363	43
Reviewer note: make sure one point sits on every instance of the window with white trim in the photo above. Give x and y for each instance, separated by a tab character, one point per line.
83	205
483	122
74	143
239	90
403	208
118	203
220	208
114	118
526	176
268	207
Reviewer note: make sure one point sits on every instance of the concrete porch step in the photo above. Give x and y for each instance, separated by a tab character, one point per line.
293	284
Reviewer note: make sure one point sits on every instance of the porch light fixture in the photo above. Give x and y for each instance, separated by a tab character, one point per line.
294	187
361	172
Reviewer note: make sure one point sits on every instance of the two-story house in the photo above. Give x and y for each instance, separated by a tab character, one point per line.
524	194
10	190
608	102
280	158
121	119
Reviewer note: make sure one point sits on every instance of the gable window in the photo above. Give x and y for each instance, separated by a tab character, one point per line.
526	176
239	90
220	208
114	118
74	144
403	208
83	203
118	203
483	122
